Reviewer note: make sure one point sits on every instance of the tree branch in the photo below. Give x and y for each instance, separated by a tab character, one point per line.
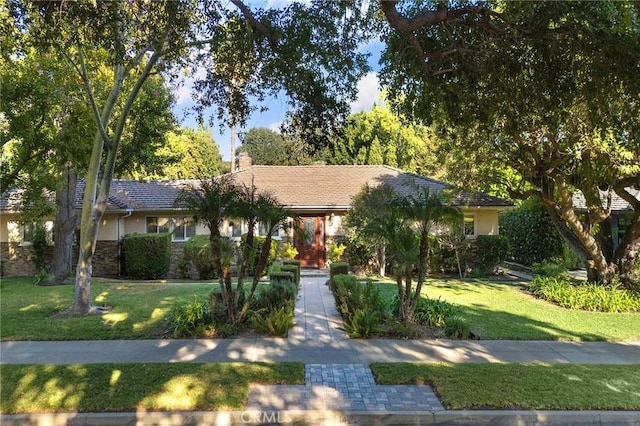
256	25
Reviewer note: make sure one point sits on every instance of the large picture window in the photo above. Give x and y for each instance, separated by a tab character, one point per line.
181	227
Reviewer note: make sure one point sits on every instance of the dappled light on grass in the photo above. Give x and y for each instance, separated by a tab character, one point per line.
130	387
157	316
29	307
113	318
179	393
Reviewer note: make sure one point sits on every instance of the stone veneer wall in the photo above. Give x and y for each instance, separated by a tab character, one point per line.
106	259
16	260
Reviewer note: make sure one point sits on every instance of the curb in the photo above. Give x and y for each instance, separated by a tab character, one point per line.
448	417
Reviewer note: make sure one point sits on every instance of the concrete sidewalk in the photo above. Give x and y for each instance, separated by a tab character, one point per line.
339	387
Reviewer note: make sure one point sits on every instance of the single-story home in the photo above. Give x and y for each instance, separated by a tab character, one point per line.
318	194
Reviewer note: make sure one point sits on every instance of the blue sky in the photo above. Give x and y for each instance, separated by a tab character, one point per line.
368	94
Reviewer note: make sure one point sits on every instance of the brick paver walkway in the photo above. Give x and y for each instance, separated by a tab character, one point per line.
347	387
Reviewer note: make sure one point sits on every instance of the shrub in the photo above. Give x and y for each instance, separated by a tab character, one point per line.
433	312
352	296
587	296
338	268
258	241
362	324
187	320
197	252
492	250
335	252
550	269
531	234
291	262
275	295
39	245
289	252
147	256
277	322
281	276
295	270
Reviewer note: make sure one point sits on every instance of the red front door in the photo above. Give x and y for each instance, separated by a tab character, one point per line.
310	241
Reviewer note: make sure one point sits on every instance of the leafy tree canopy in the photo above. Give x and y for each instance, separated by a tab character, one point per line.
381	137
270	148
548	89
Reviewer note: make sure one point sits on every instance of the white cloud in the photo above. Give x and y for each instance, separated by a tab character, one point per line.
183	92
368	93
275	126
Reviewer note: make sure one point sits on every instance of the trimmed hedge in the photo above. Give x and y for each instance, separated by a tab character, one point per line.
147	256
338	268
281	277
294	269
197	251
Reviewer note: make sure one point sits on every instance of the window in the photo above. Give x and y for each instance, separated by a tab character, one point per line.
181	227
235	229
156	225
469	225
28	231
262	230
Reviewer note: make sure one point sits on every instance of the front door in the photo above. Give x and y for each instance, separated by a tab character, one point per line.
310	241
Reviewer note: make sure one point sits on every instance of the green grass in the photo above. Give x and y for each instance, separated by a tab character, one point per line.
131	387
522	386
508	311
27	312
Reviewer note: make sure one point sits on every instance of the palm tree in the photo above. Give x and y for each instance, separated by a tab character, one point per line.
212	201
423	212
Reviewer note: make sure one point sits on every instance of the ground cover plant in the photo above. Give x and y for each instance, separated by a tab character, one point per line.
521	386
585	296
507	311
131	387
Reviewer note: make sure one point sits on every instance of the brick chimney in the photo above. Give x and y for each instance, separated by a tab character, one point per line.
244	160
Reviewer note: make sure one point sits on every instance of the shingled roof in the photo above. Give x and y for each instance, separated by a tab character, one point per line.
297	187
617	203
333	187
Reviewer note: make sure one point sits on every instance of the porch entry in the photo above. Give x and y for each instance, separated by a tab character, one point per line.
310	241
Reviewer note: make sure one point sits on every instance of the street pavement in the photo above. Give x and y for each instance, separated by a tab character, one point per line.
339	387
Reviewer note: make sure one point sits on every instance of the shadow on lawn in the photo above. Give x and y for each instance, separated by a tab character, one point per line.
491	324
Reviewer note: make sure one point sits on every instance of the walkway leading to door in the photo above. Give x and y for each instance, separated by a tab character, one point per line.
316	316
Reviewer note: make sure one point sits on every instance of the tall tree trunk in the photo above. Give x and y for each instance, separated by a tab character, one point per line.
599	268
64	225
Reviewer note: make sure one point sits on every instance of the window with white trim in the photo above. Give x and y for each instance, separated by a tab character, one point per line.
181	227
469	225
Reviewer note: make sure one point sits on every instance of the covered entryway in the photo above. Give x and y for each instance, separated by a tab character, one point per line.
310	241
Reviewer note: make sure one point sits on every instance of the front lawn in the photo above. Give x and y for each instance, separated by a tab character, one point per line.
507	311
522	386
132	387
29	312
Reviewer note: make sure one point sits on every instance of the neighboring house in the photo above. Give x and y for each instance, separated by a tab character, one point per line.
621	211
319	195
